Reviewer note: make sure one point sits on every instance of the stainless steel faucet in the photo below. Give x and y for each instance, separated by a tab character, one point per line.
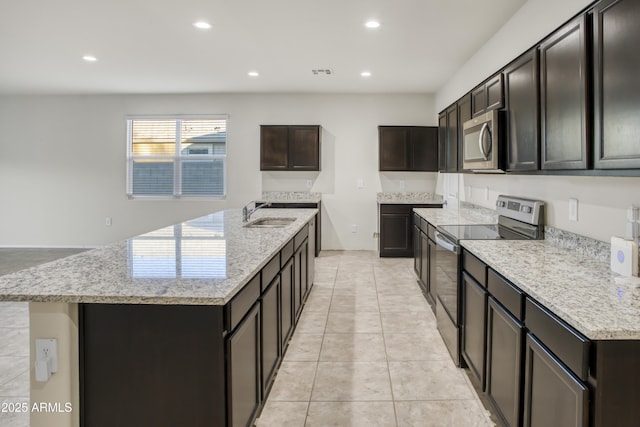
246	212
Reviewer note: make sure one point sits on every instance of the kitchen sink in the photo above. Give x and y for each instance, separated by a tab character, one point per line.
270	222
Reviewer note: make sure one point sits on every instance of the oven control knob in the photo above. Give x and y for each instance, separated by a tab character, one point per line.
501	204
526	209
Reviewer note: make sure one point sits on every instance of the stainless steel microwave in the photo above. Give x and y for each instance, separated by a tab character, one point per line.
482	143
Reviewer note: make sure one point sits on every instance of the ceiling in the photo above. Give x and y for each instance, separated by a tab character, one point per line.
151	46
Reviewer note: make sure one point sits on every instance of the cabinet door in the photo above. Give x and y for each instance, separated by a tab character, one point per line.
243	370
474	311
442	141
304	148
270	333
464	114
424	265
564	127
504	363
616	84
416	248
452	138
274	147
553	396
431	271
395	231
494	93
478	100
392	148
423	148
521	99
304	270
287	296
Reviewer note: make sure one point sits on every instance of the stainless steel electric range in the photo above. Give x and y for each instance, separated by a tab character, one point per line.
518	219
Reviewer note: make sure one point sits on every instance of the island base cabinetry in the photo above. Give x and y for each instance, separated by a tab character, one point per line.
195	365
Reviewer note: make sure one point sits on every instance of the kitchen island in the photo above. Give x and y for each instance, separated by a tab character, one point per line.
184	325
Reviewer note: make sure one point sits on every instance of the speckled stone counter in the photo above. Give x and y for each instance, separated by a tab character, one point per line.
578	288
291	196
409	198
438	217
206	260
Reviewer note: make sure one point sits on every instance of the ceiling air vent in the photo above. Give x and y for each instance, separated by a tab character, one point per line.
325	71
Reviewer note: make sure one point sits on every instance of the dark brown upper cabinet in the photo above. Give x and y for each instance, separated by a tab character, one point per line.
616	84
448	139
464	114
564	98
408	148
521	88
488	96
289	148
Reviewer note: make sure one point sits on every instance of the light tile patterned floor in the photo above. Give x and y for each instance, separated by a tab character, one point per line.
367	353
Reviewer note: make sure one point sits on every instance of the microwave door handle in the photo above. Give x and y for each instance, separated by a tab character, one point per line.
485	128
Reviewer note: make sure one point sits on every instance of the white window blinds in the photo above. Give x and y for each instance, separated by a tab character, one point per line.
176	157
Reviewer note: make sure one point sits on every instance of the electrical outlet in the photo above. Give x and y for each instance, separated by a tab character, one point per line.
107	221
360	183
486	193
47	348
573	209
402	184
309	183
354	228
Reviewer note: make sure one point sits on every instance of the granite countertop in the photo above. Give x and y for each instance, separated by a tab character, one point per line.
579	289
464	216
203	261
409	198
290	197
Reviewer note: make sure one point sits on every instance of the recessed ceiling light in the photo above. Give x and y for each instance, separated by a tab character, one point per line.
253	73
90	58
202	25
372	24
365	74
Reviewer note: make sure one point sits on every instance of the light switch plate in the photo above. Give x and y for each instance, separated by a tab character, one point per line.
573	209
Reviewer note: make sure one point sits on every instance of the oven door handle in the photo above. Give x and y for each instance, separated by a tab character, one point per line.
442	242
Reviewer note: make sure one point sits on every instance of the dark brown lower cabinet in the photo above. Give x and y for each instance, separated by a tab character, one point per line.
270	333
300	277
287	296
504	363
135	371
243	372
553	396
396	229
474	310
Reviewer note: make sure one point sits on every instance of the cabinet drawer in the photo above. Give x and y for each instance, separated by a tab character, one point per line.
416	220
396	209
475	268
431	232
286	253
238	307
424	225
270	271
508	295
299	238
565	342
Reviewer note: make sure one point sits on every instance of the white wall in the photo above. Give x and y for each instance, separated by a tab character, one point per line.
602	200
62	162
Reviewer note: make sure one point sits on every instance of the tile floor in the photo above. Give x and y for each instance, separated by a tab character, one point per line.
366	352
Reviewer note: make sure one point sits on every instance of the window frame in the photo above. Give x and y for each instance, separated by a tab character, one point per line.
177	158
